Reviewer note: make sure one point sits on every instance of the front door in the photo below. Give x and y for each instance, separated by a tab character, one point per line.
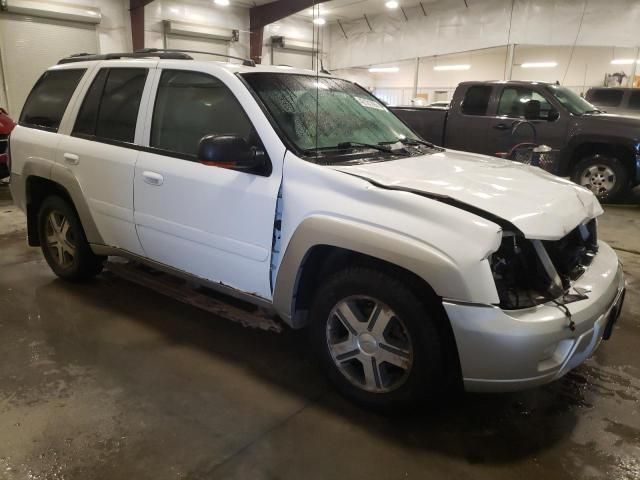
505	129
212	222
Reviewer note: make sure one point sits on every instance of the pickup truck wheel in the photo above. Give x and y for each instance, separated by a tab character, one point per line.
605	176
63	243
377	341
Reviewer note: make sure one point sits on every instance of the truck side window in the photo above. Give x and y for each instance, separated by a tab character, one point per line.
513	101
476	100
110	107
634	100
191	105
48	100
607	97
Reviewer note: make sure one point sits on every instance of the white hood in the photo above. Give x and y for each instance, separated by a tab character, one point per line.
541	205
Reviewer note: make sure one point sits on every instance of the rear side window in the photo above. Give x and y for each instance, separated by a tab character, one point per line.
49	98
191	105
634	100
476	100
110	108
607	98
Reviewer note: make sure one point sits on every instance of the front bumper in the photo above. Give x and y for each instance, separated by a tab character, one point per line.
506	350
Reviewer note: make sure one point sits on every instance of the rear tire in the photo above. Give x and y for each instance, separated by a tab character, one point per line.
63	242
378	342
605	176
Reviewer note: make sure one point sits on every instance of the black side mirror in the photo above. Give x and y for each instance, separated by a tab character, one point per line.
231	151
532	110
553	115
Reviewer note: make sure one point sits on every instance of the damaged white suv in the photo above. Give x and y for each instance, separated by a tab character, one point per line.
416	268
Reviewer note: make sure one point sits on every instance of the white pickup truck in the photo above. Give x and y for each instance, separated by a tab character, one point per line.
417	269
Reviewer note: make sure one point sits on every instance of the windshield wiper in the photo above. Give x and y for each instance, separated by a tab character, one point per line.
381	148
593	111
417	141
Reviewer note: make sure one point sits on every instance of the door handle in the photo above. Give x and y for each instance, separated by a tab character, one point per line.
153	178
71	158
501	126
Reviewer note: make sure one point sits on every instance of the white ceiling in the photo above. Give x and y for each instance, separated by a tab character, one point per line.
349	9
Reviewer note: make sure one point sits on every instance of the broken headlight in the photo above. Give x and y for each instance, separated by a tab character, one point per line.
531	272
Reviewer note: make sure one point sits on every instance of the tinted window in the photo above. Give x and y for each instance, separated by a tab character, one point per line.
607	98
476	100
110	107
634	100
48	100
514	100
191	105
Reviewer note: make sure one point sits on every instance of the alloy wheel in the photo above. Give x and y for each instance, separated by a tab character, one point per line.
369	344
600	179
60	239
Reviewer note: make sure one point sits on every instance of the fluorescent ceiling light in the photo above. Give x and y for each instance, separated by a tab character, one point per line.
392	4
319	21
222	3
384	70
441	68
623	61
539	65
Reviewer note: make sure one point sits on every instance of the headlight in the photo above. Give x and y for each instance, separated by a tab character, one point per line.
531	272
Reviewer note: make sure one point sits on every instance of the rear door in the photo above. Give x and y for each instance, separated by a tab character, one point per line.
101	151
512	99
467	121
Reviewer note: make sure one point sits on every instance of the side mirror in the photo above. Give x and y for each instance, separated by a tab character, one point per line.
230	151
553	115
532	110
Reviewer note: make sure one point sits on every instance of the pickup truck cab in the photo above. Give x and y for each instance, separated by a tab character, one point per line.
597	150
618	100
417	269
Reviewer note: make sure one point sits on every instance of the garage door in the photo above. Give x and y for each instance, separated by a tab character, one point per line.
30	45
183	42
292	58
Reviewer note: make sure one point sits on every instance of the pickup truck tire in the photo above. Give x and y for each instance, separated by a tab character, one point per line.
377	341
604	175
63	242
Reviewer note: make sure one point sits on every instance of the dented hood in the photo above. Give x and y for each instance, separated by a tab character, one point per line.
541	205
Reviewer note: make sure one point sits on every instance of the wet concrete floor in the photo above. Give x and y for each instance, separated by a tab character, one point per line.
108	380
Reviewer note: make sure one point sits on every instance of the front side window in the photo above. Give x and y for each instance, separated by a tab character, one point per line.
514	100
49	98
192	105
110	108
476	100
607	97
634	100
323	113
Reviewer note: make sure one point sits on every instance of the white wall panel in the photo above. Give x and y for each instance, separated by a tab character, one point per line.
30	45
451	27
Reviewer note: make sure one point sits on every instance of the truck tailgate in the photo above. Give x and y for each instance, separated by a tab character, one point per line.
427	122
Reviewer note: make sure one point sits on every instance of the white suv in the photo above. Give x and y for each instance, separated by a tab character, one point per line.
416	268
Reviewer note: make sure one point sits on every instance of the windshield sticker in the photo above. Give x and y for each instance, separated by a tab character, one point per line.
367	103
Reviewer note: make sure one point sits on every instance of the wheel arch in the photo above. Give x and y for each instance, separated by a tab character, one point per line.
320	245
585	145
65	185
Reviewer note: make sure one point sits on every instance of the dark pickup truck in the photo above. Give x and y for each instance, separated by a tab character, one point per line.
597	150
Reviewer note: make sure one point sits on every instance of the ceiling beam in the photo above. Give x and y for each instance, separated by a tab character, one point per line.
262	15
136	13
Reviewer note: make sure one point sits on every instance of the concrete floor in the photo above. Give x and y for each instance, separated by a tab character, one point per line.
108	380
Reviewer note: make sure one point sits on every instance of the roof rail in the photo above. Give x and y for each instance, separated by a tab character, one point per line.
87	57
154	51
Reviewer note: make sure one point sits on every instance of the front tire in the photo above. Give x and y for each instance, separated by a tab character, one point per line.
605	176
379	344
63	242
